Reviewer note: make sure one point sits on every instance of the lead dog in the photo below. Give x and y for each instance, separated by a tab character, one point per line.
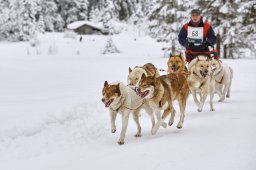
160	92
122	99
176	64
200	81
223	75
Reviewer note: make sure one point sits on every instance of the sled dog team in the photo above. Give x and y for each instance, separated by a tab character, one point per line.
155	93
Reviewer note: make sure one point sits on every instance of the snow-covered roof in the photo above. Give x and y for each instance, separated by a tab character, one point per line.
77	24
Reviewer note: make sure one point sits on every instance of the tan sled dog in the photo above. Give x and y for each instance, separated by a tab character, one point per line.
176	64
200	81
160	92
122	99
135	74
223	75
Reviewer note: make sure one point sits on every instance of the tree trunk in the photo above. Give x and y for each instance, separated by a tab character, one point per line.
218	44
173	47
225	46
225	52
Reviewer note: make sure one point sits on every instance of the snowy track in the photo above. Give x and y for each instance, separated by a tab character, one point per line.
51	116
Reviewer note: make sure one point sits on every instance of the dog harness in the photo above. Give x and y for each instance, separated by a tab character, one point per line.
219	75
128	99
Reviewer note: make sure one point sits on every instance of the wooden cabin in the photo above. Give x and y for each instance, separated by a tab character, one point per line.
86	27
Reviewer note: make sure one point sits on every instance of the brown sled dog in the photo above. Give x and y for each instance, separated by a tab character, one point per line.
135	74
160	92
176	64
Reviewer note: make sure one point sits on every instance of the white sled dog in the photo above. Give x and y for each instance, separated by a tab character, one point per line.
135	74
122	99
223	75
200	82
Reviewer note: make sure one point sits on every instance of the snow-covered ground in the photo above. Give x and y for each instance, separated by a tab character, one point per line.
51	116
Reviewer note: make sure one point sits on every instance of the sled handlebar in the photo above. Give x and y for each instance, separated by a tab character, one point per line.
208	52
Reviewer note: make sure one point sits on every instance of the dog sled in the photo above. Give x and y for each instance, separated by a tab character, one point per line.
210	54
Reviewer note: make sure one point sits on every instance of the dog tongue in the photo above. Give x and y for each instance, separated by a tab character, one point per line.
144	94
139	93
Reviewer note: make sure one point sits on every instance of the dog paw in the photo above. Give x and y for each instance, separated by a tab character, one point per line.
153	131
113	130
137	135
164	125
221	100
179	126
199	110
212	109
120	142
227	95
170	123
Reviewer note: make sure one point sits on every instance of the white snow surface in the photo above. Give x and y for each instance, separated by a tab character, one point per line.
52	118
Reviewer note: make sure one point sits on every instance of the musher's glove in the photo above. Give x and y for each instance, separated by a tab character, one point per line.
189	45
207	44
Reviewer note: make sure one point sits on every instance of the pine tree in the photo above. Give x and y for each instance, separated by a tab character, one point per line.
124	8
52	19
73	10
222	14
110	47
22	23
247	20
108	14
4	17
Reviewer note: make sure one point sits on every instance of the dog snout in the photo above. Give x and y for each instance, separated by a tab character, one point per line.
173	66
205	71
103	100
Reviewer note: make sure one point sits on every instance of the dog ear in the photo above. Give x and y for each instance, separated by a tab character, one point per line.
181	57
143	76
118	89
130	70
170	55
154	76
105	84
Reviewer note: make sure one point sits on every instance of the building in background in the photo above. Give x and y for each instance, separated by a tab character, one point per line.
86	27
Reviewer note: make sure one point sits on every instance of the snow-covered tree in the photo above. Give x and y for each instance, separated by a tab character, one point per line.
23	20
4	17
247	20
222	15
110	47
108	15
124	8
73	10
52	19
